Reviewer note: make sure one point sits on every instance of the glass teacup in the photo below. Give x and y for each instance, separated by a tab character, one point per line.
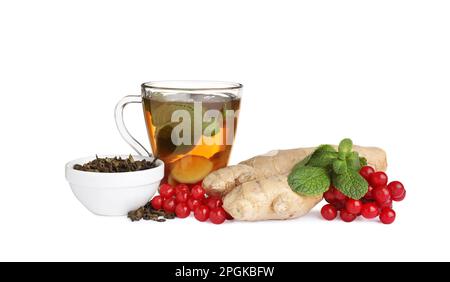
191	125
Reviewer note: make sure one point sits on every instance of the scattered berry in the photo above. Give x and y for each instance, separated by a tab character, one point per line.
387	204
378	179
329	196
169	205
166	191
157	202
338	195
193	203
329	212
182	210
387	215
197	192
400	198
181	196
217	215
369	210
366	171
353	206
339	205
381	195
182	187
346	216
213	202
201	213
369	194
396	189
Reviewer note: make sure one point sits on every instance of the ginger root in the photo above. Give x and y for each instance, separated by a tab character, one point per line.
268	198
257	189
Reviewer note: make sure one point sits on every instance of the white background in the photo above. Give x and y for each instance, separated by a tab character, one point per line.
314	72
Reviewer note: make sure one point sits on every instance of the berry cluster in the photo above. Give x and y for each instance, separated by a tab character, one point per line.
376	202
183	199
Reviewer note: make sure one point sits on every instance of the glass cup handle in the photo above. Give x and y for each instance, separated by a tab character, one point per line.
118	116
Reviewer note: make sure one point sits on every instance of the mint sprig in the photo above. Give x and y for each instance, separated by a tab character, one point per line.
351	184
323	156
345	146
313	175
340	166
309	180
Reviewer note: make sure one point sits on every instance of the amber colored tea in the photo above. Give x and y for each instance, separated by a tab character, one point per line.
191	133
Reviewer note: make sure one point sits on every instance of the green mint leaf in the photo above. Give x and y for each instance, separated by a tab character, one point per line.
323	160
345	146
363	161
342	156
351	184
325	148
309	181
339	166
323	157
302	162
353	161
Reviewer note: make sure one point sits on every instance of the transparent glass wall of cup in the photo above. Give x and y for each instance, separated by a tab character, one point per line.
191	125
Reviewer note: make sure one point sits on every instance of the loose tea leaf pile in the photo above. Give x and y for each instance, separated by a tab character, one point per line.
116	164
148	213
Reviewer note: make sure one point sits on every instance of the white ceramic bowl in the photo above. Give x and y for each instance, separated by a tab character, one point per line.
114	193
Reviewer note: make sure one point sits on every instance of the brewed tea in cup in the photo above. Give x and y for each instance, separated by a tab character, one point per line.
191	125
